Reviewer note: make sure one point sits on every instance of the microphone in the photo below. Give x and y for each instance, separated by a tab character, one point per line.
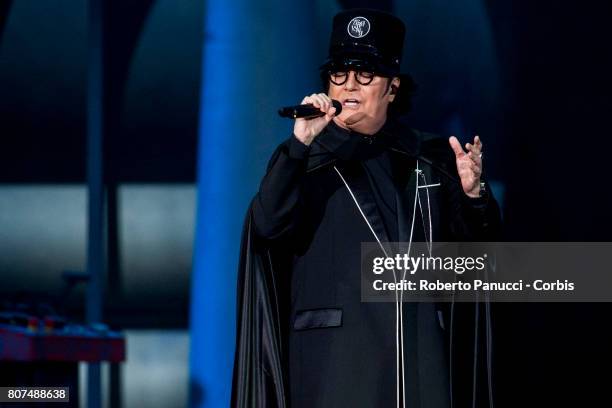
307	111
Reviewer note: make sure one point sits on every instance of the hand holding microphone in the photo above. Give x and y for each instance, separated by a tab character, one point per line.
308	127
307	111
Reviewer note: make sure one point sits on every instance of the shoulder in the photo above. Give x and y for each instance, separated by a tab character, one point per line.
427	146
422	143
436	148
313	155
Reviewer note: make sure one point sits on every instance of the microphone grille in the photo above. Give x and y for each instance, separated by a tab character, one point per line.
338	106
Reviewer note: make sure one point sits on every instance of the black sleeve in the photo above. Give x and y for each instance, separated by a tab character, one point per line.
276	204
474	219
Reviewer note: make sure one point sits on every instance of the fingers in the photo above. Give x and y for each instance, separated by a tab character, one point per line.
323	102
475	150
475	157
330	114
320	101
456	146
468	166
477	142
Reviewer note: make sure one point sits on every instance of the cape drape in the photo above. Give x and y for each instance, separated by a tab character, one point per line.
259	378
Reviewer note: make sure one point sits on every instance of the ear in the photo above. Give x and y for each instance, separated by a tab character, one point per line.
393	88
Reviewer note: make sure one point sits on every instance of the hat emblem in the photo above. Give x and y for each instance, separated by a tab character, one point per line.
358	27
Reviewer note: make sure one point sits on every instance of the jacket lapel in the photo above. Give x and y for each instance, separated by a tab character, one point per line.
405	207
406	147
358	182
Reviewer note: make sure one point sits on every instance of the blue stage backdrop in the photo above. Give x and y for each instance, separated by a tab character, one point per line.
257	56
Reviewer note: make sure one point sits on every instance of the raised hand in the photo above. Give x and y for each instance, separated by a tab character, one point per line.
469	165
307	129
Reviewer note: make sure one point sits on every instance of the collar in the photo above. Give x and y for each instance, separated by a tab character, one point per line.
350	145
336	143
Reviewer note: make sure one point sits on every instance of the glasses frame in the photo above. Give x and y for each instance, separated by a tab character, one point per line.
358	74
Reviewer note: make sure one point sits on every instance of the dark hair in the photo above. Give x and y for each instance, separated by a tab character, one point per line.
402	103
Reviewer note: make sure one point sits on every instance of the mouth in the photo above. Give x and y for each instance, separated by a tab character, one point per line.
351	103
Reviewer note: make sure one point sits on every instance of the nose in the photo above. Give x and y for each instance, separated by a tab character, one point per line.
351	83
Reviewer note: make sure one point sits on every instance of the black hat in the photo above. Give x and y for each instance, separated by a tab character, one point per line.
367	39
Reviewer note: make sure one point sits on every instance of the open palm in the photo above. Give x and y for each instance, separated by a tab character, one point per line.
469	164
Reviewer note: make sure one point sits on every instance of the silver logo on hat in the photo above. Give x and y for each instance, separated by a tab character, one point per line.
358	27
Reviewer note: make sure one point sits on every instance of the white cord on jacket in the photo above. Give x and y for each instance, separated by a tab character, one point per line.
399	309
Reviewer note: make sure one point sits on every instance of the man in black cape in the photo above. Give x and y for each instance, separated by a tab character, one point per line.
304	337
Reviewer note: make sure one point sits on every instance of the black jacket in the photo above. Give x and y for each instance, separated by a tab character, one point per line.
304	337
